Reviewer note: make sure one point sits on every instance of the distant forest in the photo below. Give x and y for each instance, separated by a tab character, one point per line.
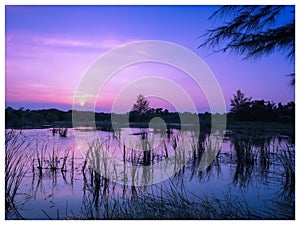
242	109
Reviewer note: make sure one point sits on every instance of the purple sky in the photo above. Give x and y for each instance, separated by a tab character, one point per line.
49	49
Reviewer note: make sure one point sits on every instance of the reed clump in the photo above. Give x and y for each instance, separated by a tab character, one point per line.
286	156
16	164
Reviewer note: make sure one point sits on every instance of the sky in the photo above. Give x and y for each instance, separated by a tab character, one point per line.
49	50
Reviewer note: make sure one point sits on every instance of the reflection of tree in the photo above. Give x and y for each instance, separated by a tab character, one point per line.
204	144
253	31
264	155
245	160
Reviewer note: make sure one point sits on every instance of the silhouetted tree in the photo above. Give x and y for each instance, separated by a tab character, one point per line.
261	110
158	110
253	31
244	109
240	105
142	105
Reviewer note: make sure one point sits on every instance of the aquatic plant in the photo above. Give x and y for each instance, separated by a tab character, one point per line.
16	162
40	157
168	201
286	156
63	132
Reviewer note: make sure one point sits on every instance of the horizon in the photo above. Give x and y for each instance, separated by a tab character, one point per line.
49	49
109	112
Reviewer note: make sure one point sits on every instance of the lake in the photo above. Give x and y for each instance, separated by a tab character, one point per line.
251	177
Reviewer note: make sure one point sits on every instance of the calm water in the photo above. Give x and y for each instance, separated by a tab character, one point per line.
256	179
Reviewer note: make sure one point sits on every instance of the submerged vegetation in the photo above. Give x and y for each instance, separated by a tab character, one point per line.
16	162
244	172
249	179
250	159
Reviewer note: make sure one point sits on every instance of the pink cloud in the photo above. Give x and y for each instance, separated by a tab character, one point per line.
52	41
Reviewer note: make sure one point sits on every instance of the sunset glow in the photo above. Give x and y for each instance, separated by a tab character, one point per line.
49	49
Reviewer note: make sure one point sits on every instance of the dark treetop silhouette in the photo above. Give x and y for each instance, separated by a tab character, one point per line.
254	31
245	109
142	105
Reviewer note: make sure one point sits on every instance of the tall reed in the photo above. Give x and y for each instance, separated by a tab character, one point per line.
286	156
16	164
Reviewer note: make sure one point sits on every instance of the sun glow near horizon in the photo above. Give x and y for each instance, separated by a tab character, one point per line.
45	61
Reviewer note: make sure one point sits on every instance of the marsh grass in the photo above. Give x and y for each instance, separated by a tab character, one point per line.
53	160
168	201
16	162
63	132
40	157
98	164
286	156
65	158
282	208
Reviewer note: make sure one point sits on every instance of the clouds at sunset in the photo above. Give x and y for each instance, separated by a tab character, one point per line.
50	48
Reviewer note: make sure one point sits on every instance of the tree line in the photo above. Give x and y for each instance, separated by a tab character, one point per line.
245	109
22	117
242	109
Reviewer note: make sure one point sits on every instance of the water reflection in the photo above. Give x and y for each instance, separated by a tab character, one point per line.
262	169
